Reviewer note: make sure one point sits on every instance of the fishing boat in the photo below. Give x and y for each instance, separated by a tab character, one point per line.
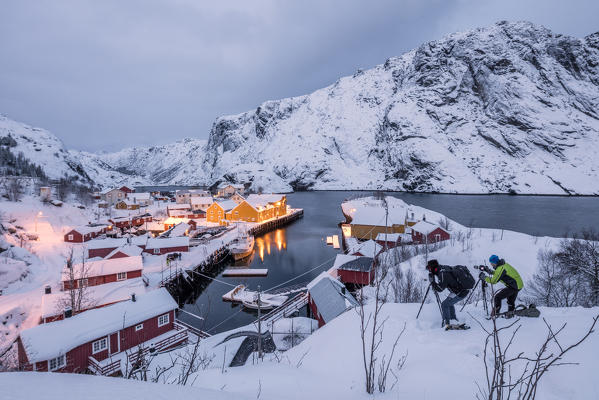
266	302
243	246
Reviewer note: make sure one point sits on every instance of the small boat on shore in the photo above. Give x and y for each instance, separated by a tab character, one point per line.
249	298
242	247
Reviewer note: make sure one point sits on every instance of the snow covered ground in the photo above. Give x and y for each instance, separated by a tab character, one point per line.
327	363
32	385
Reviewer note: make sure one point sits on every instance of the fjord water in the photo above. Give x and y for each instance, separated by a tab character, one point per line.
301	247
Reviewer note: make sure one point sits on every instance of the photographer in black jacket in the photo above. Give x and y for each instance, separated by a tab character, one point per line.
445	279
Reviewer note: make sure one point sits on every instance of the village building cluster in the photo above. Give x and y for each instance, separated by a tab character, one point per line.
103	313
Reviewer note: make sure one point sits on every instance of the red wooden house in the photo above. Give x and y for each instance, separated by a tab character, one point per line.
355	270
159	245
106	340
328	298
84	233
425	232
92	273
130	221
126	189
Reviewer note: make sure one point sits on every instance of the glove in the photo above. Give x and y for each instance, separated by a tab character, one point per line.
431	278
481	276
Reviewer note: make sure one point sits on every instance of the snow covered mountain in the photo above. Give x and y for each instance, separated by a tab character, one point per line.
41	148
176	163
508	108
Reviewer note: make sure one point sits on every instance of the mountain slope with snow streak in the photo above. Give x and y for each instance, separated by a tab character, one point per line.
507	108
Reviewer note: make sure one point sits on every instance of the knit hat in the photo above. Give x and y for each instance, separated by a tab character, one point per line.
432	265
494	259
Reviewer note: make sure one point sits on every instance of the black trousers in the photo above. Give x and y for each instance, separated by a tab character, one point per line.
506	293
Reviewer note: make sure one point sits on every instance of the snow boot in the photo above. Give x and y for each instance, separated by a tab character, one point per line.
531	311
456	327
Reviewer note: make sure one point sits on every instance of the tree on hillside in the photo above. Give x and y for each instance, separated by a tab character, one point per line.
377	366
13	187
77	296
569	277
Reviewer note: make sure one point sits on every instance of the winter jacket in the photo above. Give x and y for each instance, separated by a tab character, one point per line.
446	280
507	275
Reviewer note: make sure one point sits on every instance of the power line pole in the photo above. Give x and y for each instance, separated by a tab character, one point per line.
259	327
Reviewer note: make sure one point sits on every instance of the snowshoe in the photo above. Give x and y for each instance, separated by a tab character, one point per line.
456	327
505	314
531	311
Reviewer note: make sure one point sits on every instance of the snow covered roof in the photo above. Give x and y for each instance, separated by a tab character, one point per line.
374	215
47	341
139	196
341	259
424	227
236	186
197	192
178	206
97	295
368	248
139	240
330	296
108	243
84	230
161	243
265	198
179	230
130	250
103	267
227	205
201	200
363	264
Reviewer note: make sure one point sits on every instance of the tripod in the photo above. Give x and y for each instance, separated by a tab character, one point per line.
436	297
483	286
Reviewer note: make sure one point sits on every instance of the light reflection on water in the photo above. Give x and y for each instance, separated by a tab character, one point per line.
300	246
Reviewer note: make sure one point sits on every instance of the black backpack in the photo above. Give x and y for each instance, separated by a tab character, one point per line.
463	276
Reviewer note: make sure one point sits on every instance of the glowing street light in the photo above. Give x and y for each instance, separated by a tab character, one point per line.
38	215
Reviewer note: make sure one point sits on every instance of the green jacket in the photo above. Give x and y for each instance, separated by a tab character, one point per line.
507	275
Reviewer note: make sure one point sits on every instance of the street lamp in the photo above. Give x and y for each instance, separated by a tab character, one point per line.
38	215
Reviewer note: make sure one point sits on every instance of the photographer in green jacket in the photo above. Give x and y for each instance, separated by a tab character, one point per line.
507	275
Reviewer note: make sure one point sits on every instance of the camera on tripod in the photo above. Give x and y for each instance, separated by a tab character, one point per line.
483	268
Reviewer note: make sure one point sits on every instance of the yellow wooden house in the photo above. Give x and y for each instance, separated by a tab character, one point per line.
217	211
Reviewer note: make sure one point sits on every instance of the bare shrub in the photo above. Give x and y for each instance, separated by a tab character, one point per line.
569	276
516	375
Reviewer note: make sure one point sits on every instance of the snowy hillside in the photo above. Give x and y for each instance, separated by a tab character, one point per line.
510	107
175	163
42	148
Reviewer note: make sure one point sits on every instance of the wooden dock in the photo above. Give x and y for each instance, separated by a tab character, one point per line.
245	272
268	226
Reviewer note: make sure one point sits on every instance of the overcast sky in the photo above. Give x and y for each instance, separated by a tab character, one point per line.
104	75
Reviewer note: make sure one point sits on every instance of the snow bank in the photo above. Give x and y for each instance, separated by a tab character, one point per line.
55	386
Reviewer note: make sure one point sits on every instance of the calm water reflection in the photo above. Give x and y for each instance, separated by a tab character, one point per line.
301	246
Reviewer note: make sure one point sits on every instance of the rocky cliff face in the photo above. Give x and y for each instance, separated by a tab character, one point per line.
508	108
